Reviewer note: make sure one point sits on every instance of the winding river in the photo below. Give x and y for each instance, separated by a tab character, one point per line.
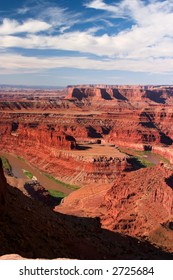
17	166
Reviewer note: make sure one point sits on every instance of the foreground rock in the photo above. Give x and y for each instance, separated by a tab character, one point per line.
30	229
3	185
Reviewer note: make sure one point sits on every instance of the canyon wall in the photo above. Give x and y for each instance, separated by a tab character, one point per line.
139	204
131	205
52	150
46	130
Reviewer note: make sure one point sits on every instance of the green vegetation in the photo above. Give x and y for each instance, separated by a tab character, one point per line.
144	162
22	159
142	153
68	186
27	173
57	194
140	156
6	166
5	163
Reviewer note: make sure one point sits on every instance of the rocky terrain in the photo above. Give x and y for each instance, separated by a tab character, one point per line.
87	115
32	230
88	137
131	205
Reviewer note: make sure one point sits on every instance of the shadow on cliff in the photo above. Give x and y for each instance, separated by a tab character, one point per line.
38	192
156	96
118	95
169	181
135	163
93	133
82	148
31	229
164	139
104	94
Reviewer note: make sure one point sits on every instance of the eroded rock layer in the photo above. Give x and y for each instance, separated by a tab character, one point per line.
46	129
32	230
78	139
139	201
139	204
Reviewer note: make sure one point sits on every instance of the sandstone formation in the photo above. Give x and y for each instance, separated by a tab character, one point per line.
44	129
141	114
132	204
122	93
36	134
78	139
53	148
32	230
139	204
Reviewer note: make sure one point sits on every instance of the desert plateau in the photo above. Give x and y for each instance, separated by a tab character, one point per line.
87	172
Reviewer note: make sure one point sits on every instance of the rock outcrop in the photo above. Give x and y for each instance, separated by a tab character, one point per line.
36	134
32	230
140	204
139	201
158	94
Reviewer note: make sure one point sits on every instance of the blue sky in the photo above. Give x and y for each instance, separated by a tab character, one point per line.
62	42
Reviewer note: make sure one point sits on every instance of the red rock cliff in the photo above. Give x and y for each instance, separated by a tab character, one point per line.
139	201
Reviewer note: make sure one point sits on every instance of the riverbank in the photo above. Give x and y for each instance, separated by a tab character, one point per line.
18	165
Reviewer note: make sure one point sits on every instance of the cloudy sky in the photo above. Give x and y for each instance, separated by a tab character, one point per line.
61	42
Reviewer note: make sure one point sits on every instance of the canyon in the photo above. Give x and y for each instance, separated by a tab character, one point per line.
94	140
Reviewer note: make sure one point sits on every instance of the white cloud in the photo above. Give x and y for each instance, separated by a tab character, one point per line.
59	16
100	5
147	46
30	26
22	11
147	37
13	63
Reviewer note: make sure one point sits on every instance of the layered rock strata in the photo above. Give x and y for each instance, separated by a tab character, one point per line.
139	201
139	204
32	230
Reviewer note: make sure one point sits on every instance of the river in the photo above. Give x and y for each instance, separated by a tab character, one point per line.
153	158
17	166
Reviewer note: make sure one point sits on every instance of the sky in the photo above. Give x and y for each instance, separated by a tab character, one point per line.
65	42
